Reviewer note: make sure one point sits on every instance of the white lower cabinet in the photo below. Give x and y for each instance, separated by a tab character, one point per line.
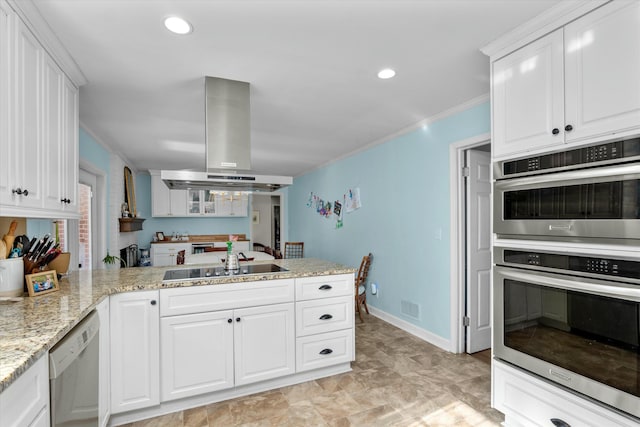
135	350
264	339
26	401
197	354
163	254
526	400
324	321
210	351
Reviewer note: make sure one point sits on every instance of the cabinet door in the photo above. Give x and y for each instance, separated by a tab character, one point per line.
104	362
264	342
135	347
54	149
602	60
178	202
26	401
160	197
197	354
28	164
70	170
528	101
7	20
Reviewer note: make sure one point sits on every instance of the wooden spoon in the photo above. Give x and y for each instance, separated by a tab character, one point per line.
9	238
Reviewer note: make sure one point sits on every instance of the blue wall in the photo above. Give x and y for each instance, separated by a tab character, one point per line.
179	225
404	188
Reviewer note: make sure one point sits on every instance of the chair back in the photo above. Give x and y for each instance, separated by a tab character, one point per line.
293	250
259	247
363	271
180	257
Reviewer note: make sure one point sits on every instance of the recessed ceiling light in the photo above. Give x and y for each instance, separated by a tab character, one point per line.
177	25
387	73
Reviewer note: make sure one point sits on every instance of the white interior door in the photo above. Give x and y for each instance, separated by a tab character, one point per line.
478	248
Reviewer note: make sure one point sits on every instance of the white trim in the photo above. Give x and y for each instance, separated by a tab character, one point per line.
424	122
549	20
456	202
423	334
31	16
101	209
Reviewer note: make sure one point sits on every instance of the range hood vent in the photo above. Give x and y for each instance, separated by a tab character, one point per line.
228	144
183	180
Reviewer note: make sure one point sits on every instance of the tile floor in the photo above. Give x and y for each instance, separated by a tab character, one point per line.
397	380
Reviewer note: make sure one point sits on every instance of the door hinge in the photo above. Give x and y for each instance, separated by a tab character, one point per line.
465	321
465	171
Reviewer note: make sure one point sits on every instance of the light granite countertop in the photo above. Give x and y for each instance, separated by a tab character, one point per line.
29	327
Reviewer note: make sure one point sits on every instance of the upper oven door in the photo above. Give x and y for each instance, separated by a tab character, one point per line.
601	202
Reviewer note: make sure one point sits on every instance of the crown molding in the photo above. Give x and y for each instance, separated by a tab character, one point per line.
33	19
548	21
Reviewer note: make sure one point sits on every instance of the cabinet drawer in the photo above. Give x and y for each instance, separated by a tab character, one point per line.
528	401
318	351
324	287
324	315
200	299
170	249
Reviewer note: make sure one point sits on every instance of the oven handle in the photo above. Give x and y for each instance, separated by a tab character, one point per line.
581	284
584	176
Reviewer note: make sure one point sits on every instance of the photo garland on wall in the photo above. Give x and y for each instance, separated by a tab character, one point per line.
350	202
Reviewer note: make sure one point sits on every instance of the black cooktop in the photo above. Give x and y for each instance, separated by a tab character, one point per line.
205	272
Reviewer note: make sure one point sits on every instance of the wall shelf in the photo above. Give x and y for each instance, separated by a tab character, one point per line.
130	224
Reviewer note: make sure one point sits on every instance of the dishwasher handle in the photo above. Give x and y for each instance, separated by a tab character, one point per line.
73	344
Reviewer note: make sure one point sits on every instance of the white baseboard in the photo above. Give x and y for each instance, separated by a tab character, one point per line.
427	336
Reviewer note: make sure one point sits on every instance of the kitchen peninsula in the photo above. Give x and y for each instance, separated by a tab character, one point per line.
309	290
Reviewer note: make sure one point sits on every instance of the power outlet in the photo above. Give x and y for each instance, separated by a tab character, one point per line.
374	289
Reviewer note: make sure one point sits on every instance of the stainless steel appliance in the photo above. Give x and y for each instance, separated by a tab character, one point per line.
587	193
204	273
73	373
572	318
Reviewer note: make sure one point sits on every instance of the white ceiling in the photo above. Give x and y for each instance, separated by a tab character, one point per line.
312	67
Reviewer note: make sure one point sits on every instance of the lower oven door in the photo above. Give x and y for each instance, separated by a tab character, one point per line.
580	333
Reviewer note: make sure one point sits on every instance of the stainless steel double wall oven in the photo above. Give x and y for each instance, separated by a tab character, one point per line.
567	269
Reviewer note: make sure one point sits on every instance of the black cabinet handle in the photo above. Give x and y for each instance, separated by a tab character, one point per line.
559	423
555	131
153	302
229	320
326	317
568	128
325	287
237	319
329	351
20	192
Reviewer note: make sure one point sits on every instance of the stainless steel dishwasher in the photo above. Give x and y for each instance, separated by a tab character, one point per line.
73	374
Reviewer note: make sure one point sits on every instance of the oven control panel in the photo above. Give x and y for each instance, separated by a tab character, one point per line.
574	263
572	159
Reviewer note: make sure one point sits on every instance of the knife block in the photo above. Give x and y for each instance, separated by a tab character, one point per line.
60	263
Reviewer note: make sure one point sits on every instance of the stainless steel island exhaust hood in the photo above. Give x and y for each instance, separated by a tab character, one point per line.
228	144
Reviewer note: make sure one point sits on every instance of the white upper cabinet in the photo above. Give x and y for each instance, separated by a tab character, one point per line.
26	140
166	202
602	69
38	127
7	21
577	84
528	101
